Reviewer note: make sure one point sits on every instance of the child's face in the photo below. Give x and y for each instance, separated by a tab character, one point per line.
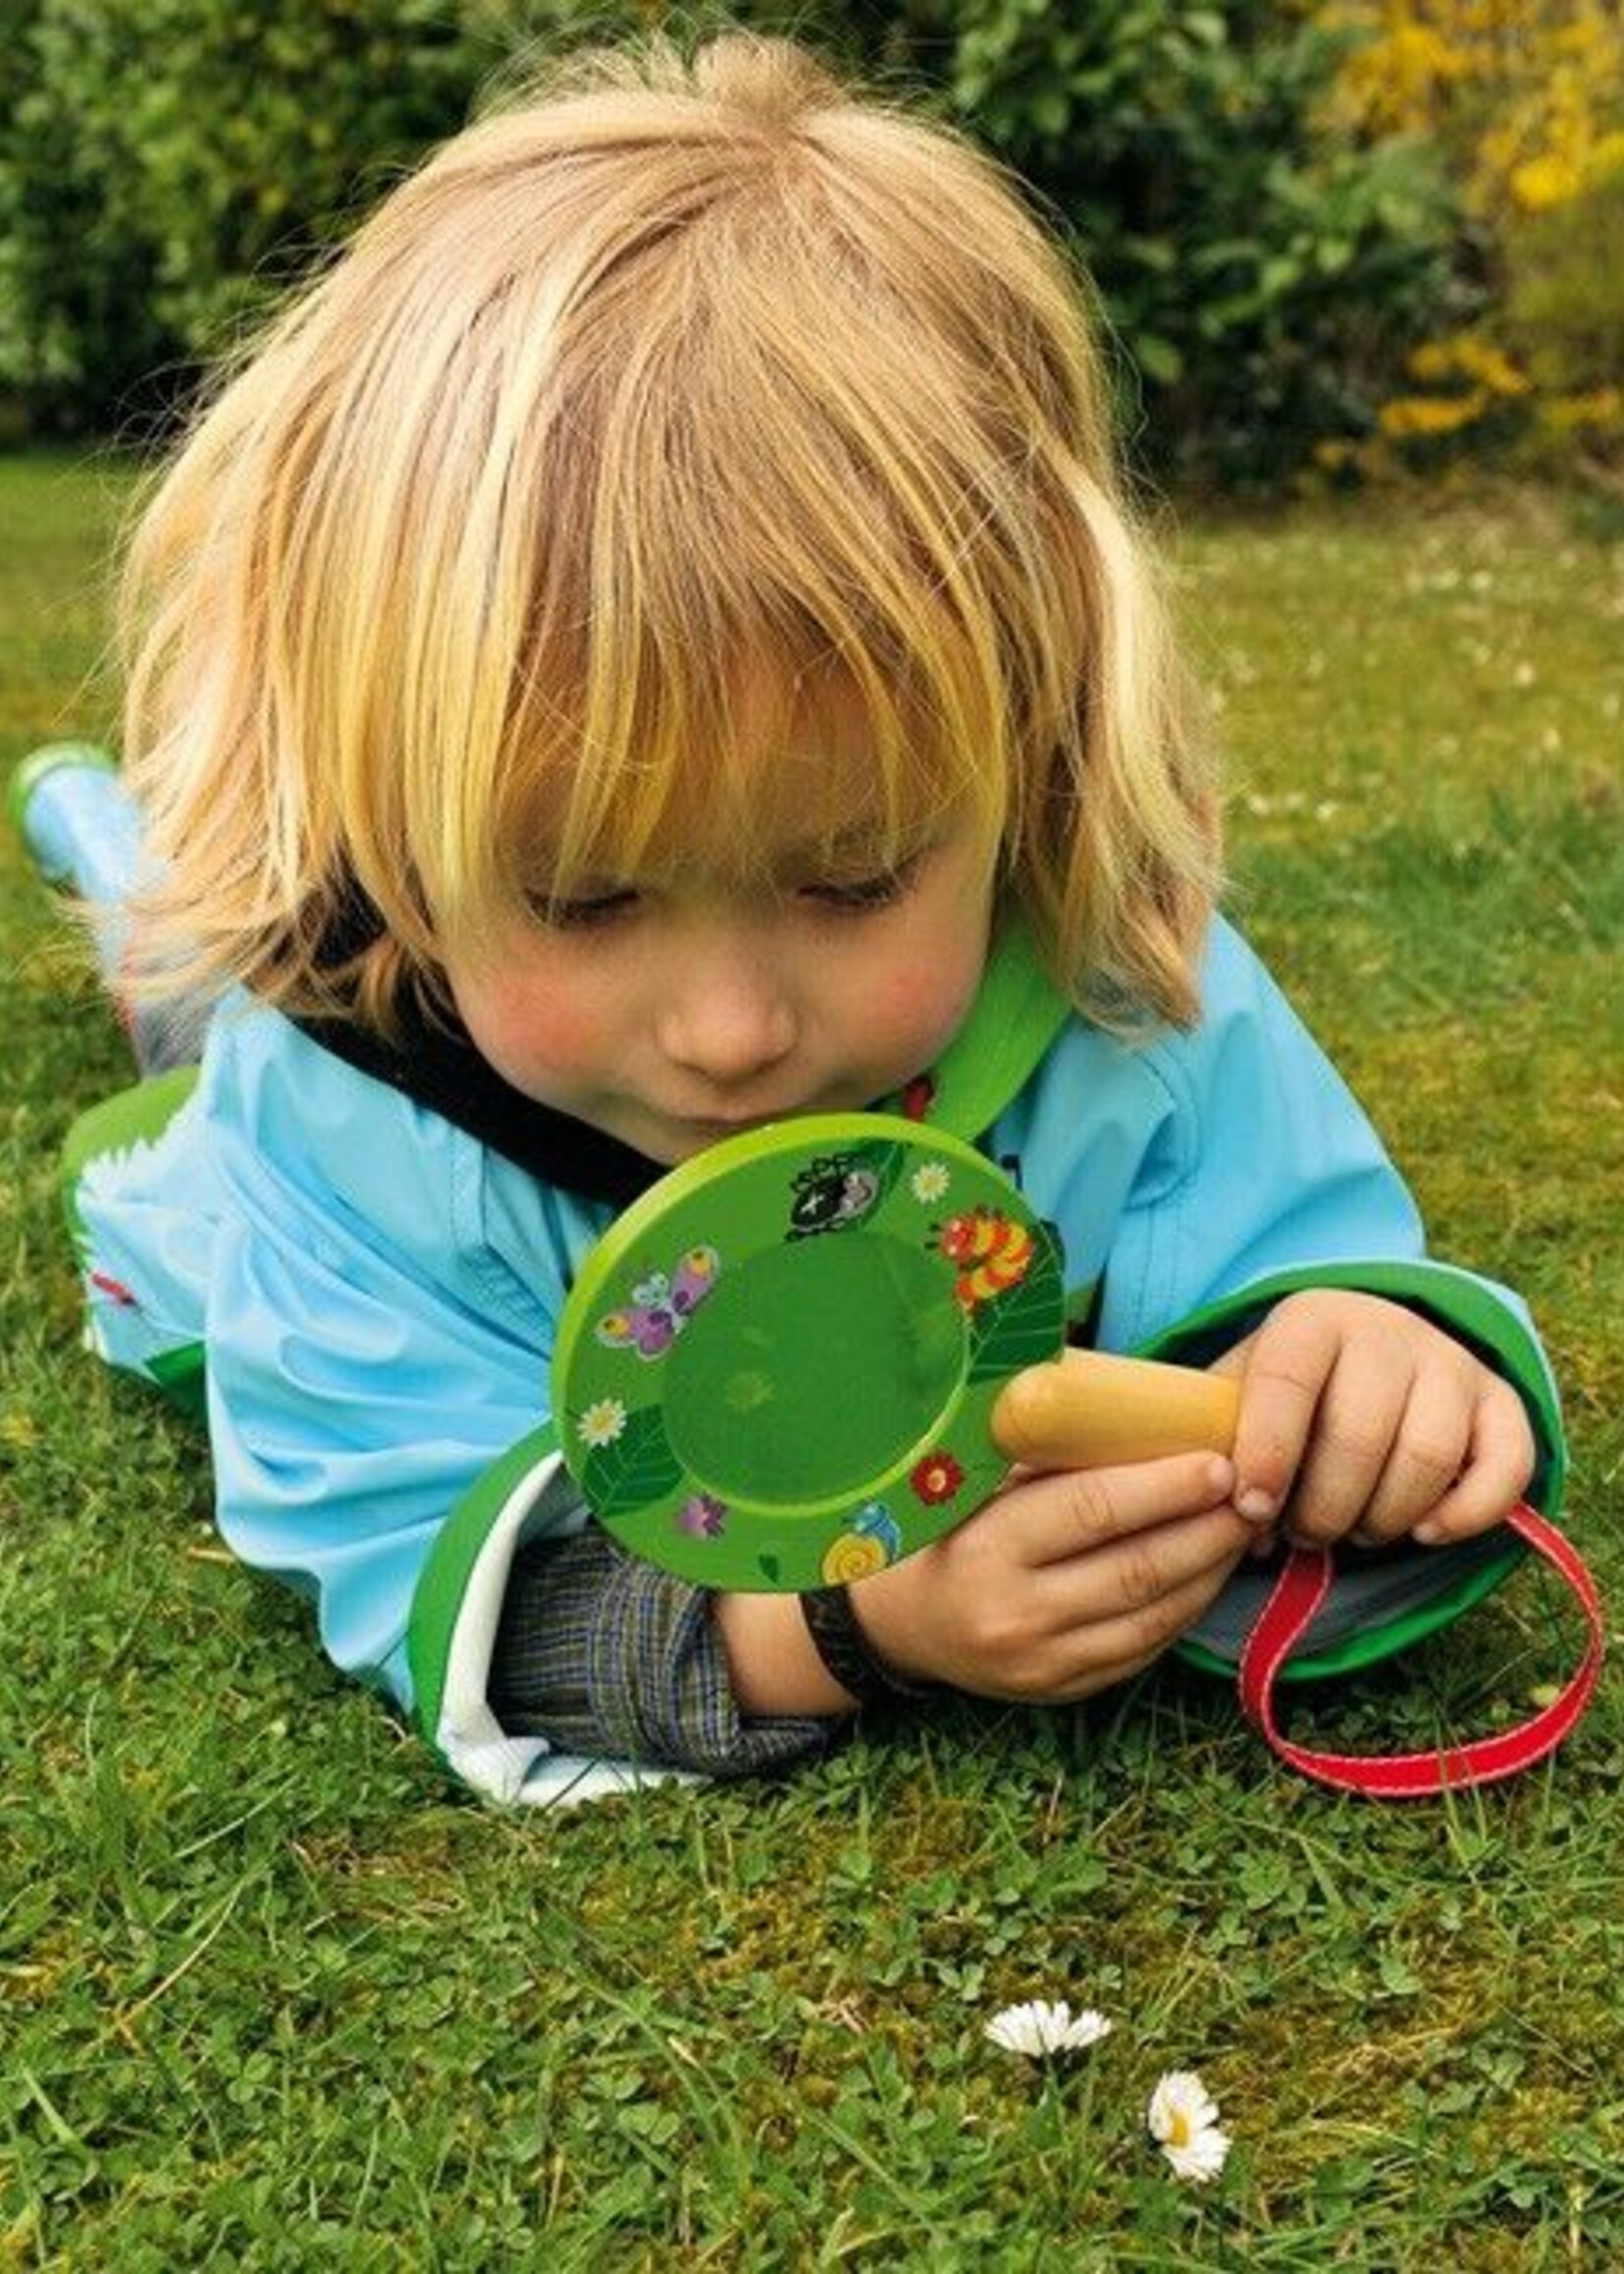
672	1014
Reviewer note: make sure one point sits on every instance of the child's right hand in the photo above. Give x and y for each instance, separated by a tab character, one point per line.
1062	1584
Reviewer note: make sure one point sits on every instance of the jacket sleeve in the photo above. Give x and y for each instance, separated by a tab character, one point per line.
365	1367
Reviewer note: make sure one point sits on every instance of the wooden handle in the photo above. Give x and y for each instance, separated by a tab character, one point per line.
1087	1409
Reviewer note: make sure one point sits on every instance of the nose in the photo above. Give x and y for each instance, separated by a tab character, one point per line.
729	1015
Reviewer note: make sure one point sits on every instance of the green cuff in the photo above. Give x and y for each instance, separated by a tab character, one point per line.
443	1585
452	1634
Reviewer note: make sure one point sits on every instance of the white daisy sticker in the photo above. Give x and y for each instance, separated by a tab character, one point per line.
602	1422
930	1182
1184	2116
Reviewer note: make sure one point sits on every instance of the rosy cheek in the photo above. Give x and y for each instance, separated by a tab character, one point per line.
920	1002
527	1029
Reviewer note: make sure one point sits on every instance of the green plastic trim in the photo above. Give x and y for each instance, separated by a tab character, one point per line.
182	1375
51	758
1474	1316
139	1115
1016	1014
443	1583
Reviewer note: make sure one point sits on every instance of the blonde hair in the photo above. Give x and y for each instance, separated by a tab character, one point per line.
669	370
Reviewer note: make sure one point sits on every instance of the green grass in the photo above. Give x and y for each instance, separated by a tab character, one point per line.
272	1992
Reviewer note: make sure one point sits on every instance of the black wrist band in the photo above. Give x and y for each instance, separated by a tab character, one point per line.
847	1652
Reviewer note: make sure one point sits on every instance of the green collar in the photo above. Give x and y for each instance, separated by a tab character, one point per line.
1016	1014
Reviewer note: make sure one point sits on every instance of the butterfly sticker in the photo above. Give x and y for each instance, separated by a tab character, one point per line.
660	1306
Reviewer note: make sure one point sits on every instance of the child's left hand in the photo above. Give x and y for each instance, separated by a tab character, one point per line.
1361	1419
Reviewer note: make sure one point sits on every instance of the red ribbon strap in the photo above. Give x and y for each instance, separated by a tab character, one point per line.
1302	1587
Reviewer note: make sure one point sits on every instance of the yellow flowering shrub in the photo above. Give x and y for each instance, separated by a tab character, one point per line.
1601	412
1526	100
1521	94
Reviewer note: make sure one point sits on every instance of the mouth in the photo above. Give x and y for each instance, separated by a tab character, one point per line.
722	1125
713	1128
703	1129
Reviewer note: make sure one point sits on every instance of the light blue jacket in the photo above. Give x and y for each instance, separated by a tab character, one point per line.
377	1292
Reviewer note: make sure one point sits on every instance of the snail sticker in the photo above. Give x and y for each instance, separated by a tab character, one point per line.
807	1388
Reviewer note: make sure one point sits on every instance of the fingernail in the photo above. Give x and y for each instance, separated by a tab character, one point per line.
1427	1533
1256	1506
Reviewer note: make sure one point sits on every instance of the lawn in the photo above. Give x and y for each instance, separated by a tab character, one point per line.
274	1993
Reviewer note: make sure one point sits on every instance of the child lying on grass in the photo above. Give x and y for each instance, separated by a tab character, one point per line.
653	641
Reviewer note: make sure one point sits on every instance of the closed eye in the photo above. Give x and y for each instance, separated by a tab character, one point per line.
880	890
583	915
855	896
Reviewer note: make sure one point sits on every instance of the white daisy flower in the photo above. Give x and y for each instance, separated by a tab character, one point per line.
1039	2028
930	1182
602	1422
1184	2116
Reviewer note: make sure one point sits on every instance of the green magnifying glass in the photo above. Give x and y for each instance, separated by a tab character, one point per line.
777	1367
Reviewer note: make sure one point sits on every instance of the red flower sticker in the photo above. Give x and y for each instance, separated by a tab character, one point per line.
937	1478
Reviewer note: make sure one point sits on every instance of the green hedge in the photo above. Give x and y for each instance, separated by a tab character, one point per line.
166	165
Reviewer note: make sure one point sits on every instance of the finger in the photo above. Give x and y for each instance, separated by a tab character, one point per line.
1233	1363
1288	1363
1132	1576
1431	1450
1499	1466
1077	1511
1115	1650
1355	1433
